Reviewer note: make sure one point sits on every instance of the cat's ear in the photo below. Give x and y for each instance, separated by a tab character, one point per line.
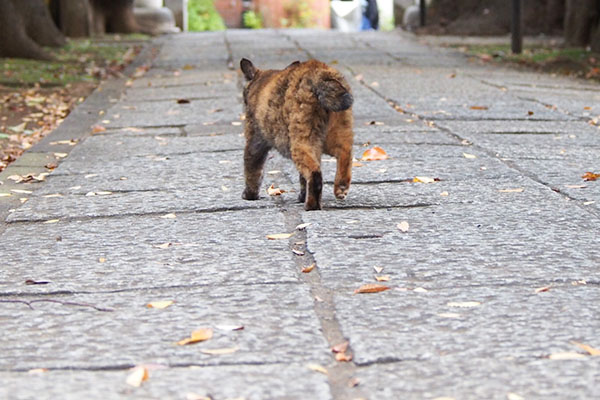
294	64
248	69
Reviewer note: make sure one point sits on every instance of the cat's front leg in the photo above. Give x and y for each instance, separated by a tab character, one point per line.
255	154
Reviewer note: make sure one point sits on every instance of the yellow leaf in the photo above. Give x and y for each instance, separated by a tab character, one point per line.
567	355
382	278
137	376
423	179
278	236
590	176
371	288
306	270
467	155
160	304
317	368
273	191
101	260
374	154
403	226
219	352
587	348
199	335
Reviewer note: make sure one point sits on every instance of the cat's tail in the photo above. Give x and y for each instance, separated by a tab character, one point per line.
333	94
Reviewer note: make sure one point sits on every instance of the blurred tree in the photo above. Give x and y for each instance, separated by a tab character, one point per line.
26	26
95	17
582	23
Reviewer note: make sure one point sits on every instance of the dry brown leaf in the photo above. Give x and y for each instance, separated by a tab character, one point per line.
479	107
403	226
98	128
542	289
138	375
341	347
279	236
587	348
513	190
306	270
162	304
590	176
374	154
273	191
220	352
199	335
371	288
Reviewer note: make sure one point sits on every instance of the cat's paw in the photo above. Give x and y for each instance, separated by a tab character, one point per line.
312	205
250	194
341	191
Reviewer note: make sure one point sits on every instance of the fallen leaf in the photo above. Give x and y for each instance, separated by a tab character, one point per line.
164	245
60	155
444	193
306	270
160	304
463	304
514	190
4	194
33	282
195	396
449	315
51	221
273	191
470	156
479	107
403	226
101	260
51	166
378	269
587	348
424	179
225	327
371	288
341	347
514	396
98	128
183	101
343	357
317	368
576	186
37	371
21	191
542	289
382	278
567	355
137	376
357	165
374	154
420	290
169	216
302	226
236	123
278	236
590	176
220	352
199	335
529	112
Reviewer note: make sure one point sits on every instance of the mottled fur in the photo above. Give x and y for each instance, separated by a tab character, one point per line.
303	111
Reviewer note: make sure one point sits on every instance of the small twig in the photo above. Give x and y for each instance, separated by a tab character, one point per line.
64	303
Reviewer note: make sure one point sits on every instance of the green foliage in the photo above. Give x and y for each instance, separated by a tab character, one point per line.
252	20
202	16
299	14
79	60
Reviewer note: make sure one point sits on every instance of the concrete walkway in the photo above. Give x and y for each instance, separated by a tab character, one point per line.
492	285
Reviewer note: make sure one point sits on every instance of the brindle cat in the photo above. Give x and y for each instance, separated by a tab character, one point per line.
302	111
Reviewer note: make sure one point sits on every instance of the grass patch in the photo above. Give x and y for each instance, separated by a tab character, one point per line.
202	16
576	62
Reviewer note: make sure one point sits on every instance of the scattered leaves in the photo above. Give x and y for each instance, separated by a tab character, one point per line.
279	236
138	375
199	335
590	176
160	305
403	226
374	154
371	288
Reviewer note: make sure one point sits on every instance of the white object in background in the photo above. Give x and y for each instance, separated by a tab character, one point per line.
346	16
148	3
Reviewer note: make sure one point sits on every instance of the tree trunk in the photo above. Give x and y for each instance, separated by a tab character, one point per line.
74	17
581	21
25	25
114	16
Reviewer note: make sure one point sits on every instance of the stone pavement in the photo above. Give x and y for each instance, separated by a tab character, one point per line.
150	209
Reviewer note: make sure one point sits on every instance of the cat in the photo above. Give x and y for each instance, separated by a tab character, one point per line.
302	111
